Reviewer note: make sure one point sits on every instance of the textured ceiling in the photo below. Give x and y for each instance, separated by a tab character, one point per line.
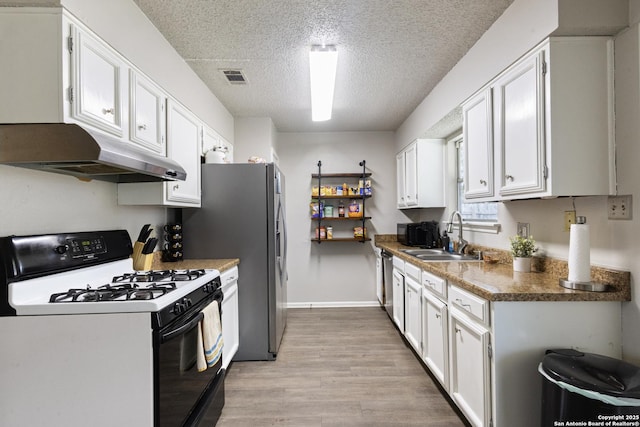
391	53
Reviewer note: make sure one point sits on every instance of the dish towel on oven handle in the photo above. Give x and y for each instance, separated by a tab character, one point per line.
210	341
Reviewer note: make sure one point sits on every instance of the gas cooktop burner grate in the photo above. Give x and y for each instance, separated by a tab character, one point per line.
157	275
143	276
122	292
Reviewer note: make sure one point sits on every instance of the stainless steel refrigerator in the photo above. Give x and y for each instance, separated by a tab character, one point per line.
243	216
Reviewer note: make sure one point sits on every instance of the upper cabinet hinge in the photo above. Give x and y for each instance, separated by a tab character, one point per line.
70	94
544	67
545	172
70	44
490	351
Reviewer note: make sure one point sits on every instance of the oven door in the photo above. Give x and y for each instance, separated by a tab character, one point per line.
184	396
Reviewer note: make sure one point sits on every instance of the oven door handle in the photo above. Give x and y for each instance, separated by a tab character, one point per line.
182	329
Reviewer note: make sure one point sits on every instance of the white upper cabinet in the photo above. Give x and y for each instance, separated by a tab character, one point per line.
420	174
547	124
184	130
519	132
97	75
147	122
478	146
212	139
400	184
184	140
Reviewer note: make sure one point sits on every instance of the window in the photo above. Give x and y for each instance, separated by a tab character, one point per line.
471	212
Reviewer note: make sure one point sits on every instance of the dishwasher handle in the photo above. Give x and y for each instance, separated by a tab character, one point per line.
386	254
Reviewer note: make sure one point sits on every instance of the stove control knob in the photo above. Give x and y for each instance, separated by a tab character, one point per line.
62	249
187	302
179	308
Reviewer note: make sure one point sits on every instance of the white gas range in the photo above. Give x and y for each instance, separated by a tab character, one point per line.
72	302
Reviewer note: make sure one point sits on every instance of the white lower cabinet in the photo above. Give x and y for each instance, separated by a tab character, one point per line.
470	370
398	299
413	313
230	319
435	337
486	353
398	293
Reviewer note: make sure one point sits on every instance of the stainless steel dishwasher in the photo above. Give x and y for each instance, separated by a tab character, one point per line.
387	269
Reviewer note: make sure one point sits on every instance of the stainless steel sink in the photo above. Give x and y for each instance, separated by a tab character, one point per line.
416	252
438	255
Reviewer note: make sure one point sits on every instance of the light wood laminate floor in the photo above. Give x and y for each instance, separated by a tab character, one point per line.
336	367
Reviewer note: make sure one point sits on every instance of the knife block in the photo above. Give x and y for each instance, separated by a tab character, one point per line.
141	262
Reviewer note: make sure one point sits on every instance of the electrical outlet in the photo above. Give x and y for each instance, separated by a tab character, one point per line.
523	229
619	207
569	218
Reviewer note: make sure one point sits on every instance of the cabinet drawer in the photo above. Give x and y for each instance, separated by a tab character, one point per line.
229	276
435	284
469	303
398	264
412	271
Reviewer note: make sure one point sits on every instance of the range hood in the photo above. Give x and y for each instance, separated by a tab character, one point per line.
73	150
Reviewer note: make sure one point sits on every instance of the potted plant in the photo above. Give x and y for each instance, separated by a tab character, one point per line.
522	249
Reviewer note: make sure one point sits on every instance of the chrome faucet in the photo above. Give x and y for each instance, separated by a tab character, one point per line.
462	244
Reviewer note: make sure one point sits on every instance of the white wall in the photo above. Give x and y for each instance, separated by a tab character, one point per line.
335	274
255	136
35	202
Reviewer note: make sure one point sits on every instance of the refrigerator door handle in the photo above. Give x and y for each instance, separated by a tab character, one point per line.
282	259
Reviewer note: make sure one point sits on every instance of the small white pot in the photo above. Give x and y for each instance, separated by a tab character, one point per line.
522	264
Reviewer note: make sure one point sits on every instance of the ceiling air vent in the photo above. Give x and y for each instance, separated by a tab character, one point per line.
235	77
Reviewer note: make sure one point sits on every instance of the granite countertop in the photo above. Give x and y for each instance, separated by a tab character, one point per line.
498	282
219	264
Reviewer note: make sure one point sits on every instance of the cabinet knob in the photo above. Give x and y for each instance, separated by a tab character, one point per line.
108	111
438	315
458	330
175	187
509	177
142	127
483	182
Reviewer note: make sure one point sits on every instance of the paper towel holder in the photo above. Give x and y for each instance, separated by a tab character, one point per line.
584	286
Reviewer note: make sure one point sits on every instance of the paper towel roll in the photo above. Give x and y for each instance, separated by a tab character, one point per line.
579	258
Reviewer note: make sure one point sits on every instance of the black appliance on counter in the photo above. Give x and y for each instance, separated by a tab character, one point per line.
95	342
424	234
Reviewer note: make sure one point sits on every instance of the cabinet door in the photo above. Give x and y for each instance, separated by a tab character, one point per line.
435	337
413	313
398	300
411	175
212	139
400	180
230	319
147	122
477	125
470	385
97	75
519	103
184	133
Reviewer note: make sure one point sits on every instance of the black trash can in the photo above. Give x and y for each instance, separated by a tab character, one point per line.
587	387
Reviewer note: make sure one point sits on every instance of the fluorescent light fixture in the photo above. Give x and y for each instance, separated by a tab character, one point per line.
322	63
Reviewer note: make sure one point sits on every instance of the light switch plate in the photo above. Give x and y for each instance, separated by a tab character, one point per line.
619	207
523	229
569	218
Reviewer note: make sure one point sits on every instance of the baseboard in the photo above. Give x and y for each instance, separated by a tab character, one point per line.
333	304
